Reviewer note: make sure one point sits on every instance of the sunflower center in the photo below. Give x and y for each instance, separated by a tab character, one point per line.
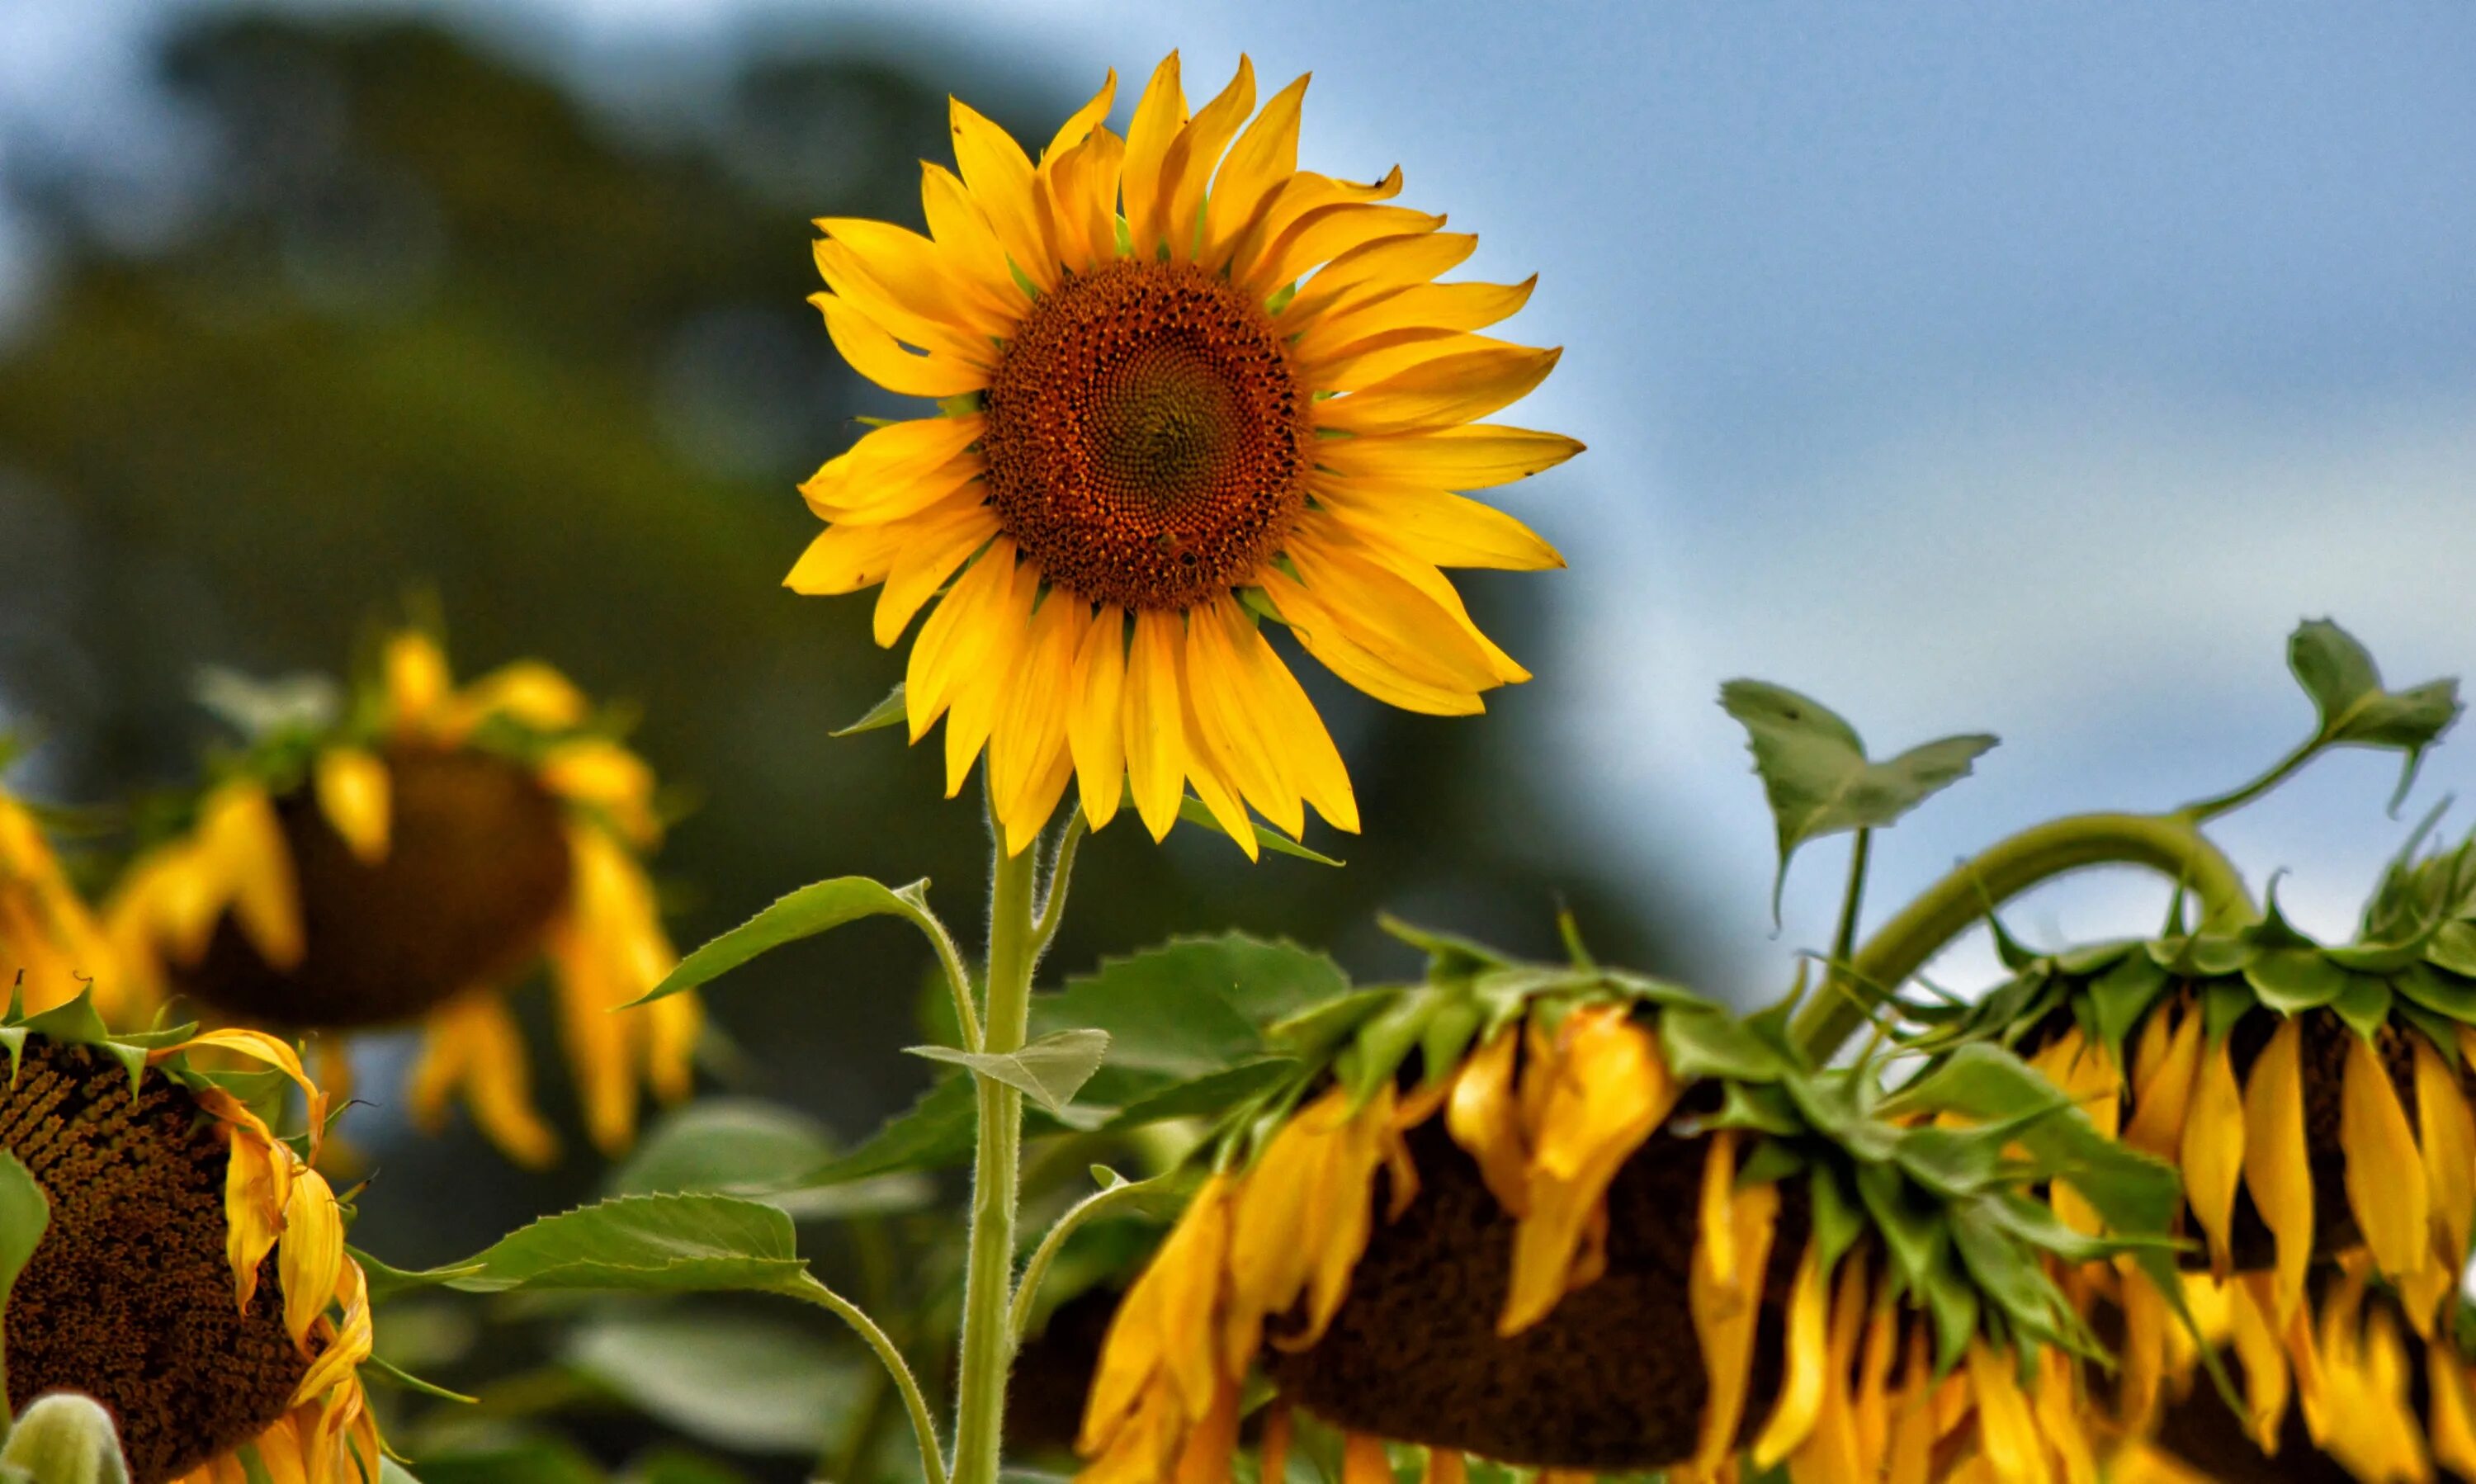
1147	439
476	865
129	1297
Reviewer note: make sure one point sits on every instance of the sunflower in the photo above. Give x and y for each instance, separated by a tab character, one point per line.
1603	1227
1184	387
2314	1100
193	1276
409	862
51	948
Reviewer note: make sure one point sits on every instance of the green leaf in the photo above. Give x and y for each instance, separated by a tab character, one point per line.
1208	1096
646	1243
385	1280
1838	1217
2364	1005
1384	1040
1816	773
748	1147
2442	993
2121	995
540	1460
805	913
753	1383
2292	980
2007	1274
1911	1228
1711	1043
888	712
25	1212
2346	689
1048	1071
1187	1008
935	1133
1192	810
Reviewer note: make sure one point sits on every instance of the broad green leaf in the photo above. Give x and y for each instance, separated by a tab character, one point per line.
935	1133
810	911
1816	773
1192	810
646	1243
2292	980
888	712
1208	1096
539	1460
1048	1071
2007	1274
749	1147
1187	1008
1711	1043
25	1212
2346	689
753	1383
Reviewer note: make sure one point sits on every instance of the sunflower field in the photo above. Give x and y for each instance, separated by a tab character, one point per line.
1068	950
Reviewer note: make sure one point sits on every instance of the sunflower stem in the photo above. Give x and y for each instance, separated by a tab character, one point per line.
988	1278
922	1425
2168	843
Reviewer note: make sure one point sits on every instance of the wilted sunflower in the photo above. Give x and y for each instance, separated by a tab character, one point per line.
1184	386
51	949
2354	1394
410	862
2315	1098
193	1276
1605	1228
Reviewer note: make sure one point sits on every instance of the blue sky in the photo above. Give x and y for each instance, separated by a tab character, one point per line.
2029	368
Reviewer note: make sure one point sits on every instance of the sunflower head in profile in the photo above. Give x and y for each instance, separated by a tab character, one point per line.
51	948
1578	1221
407	857
2314	1100
192	1275
1185	389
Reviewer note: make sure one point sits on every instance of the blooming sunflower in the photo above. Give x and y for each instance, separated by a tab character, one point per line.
1184	387
408	862
51	948
193	1276
1602	1227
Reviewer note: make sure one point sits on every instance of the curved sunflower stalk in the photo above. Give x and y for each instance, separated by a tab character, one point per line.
1575	1219
406	856
231	1349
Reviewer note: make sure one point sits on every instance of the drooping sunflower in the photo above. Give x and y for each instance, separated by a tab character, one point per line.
2314	1100
1583	1222
410	862
193	1276
51	948
1184	388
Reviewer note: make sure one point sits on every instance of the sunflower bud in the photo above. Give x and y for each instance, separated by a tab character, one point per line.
65	1439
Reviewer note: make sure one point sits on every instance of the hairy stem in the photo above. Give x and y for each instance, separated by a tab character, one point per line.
922	1424
2168	843
988	1279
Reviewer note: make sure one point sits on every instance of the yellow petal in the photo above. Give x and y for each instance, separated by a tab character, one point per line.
1800	1399
874	353
1477	456
2276	1164
1291	725
984	668
417	679
2448	1137
1031	735
1445	392
238	832
1323	225
1159	114
929	552
311	1257
917	277
1373	269
1363	1460
931	321
1213	1441
2384	1173
938	664
1086	119
1481	1118
1425	307
846	559
473	1044
2454	1414
1611	1088
1230	722
351	785
1186	169
2213	1150
1434	526
2256	1343
1000	176
1095	723
2160	1099
1728	1312
2007	1432
1336	644
1388	615
1262	161
1444	1466
1155	735
600	772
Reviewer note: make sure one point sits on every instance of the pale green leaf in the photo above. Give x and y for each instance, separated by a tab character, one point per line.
2346	689
749	1147
888	712
1815	774
753	1383
1048	1071
1192	810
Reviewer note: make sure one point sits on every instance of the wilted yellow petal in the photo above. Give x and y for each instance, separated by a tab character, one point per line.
2255	1335
2277	1168
2448	1136
2385	1172
2213	1152
2160	1100
351	783
1800	1399
310	1257
2454	1417
1727	1313
1482	1119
